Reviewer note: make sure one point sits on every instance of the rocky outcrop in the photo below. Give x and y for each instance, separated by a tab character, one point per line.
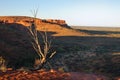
55	21
25	20
49	75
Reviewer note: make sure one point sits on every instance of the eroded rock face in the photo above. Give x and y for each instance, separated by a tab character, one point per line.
25	20
61	22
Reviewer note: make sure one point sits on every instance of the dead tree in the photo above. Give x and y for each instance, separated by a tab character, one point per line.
43	50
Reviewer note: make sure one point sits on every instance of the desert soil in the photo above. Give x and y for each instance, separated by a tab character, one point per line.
49	75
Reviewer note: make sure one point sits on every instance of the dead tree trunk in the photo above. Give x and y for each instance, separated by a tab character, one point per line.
44	53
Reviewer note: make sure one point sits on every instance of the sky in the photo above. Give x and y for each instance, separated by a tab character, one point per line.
75	12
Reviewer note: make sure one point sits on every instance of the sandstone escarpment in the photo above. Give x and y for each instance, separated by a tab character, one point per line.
57	26
26	20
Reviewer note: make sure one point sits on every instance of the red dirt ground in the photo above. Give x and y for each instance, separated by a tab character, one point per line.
48	75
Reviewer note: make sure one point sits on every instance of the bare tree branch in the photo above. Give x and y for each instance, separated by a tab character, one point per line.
43	53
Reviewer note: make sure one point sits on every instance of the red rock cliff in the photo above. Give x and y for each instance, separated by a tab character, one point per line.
25	20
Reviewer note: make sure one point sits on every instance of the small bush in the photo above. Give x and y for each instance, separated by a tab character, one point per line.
3	67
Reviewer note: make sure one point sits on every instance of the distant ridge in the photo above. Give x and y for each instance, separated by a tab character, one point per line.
14	19
98	28
57	26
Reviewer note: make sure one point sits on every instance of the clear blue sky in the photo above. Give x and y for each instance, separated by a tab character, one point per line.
75	12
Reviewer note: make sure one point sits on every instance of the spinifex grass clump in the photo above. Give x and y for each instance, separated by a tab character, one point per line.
2	65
